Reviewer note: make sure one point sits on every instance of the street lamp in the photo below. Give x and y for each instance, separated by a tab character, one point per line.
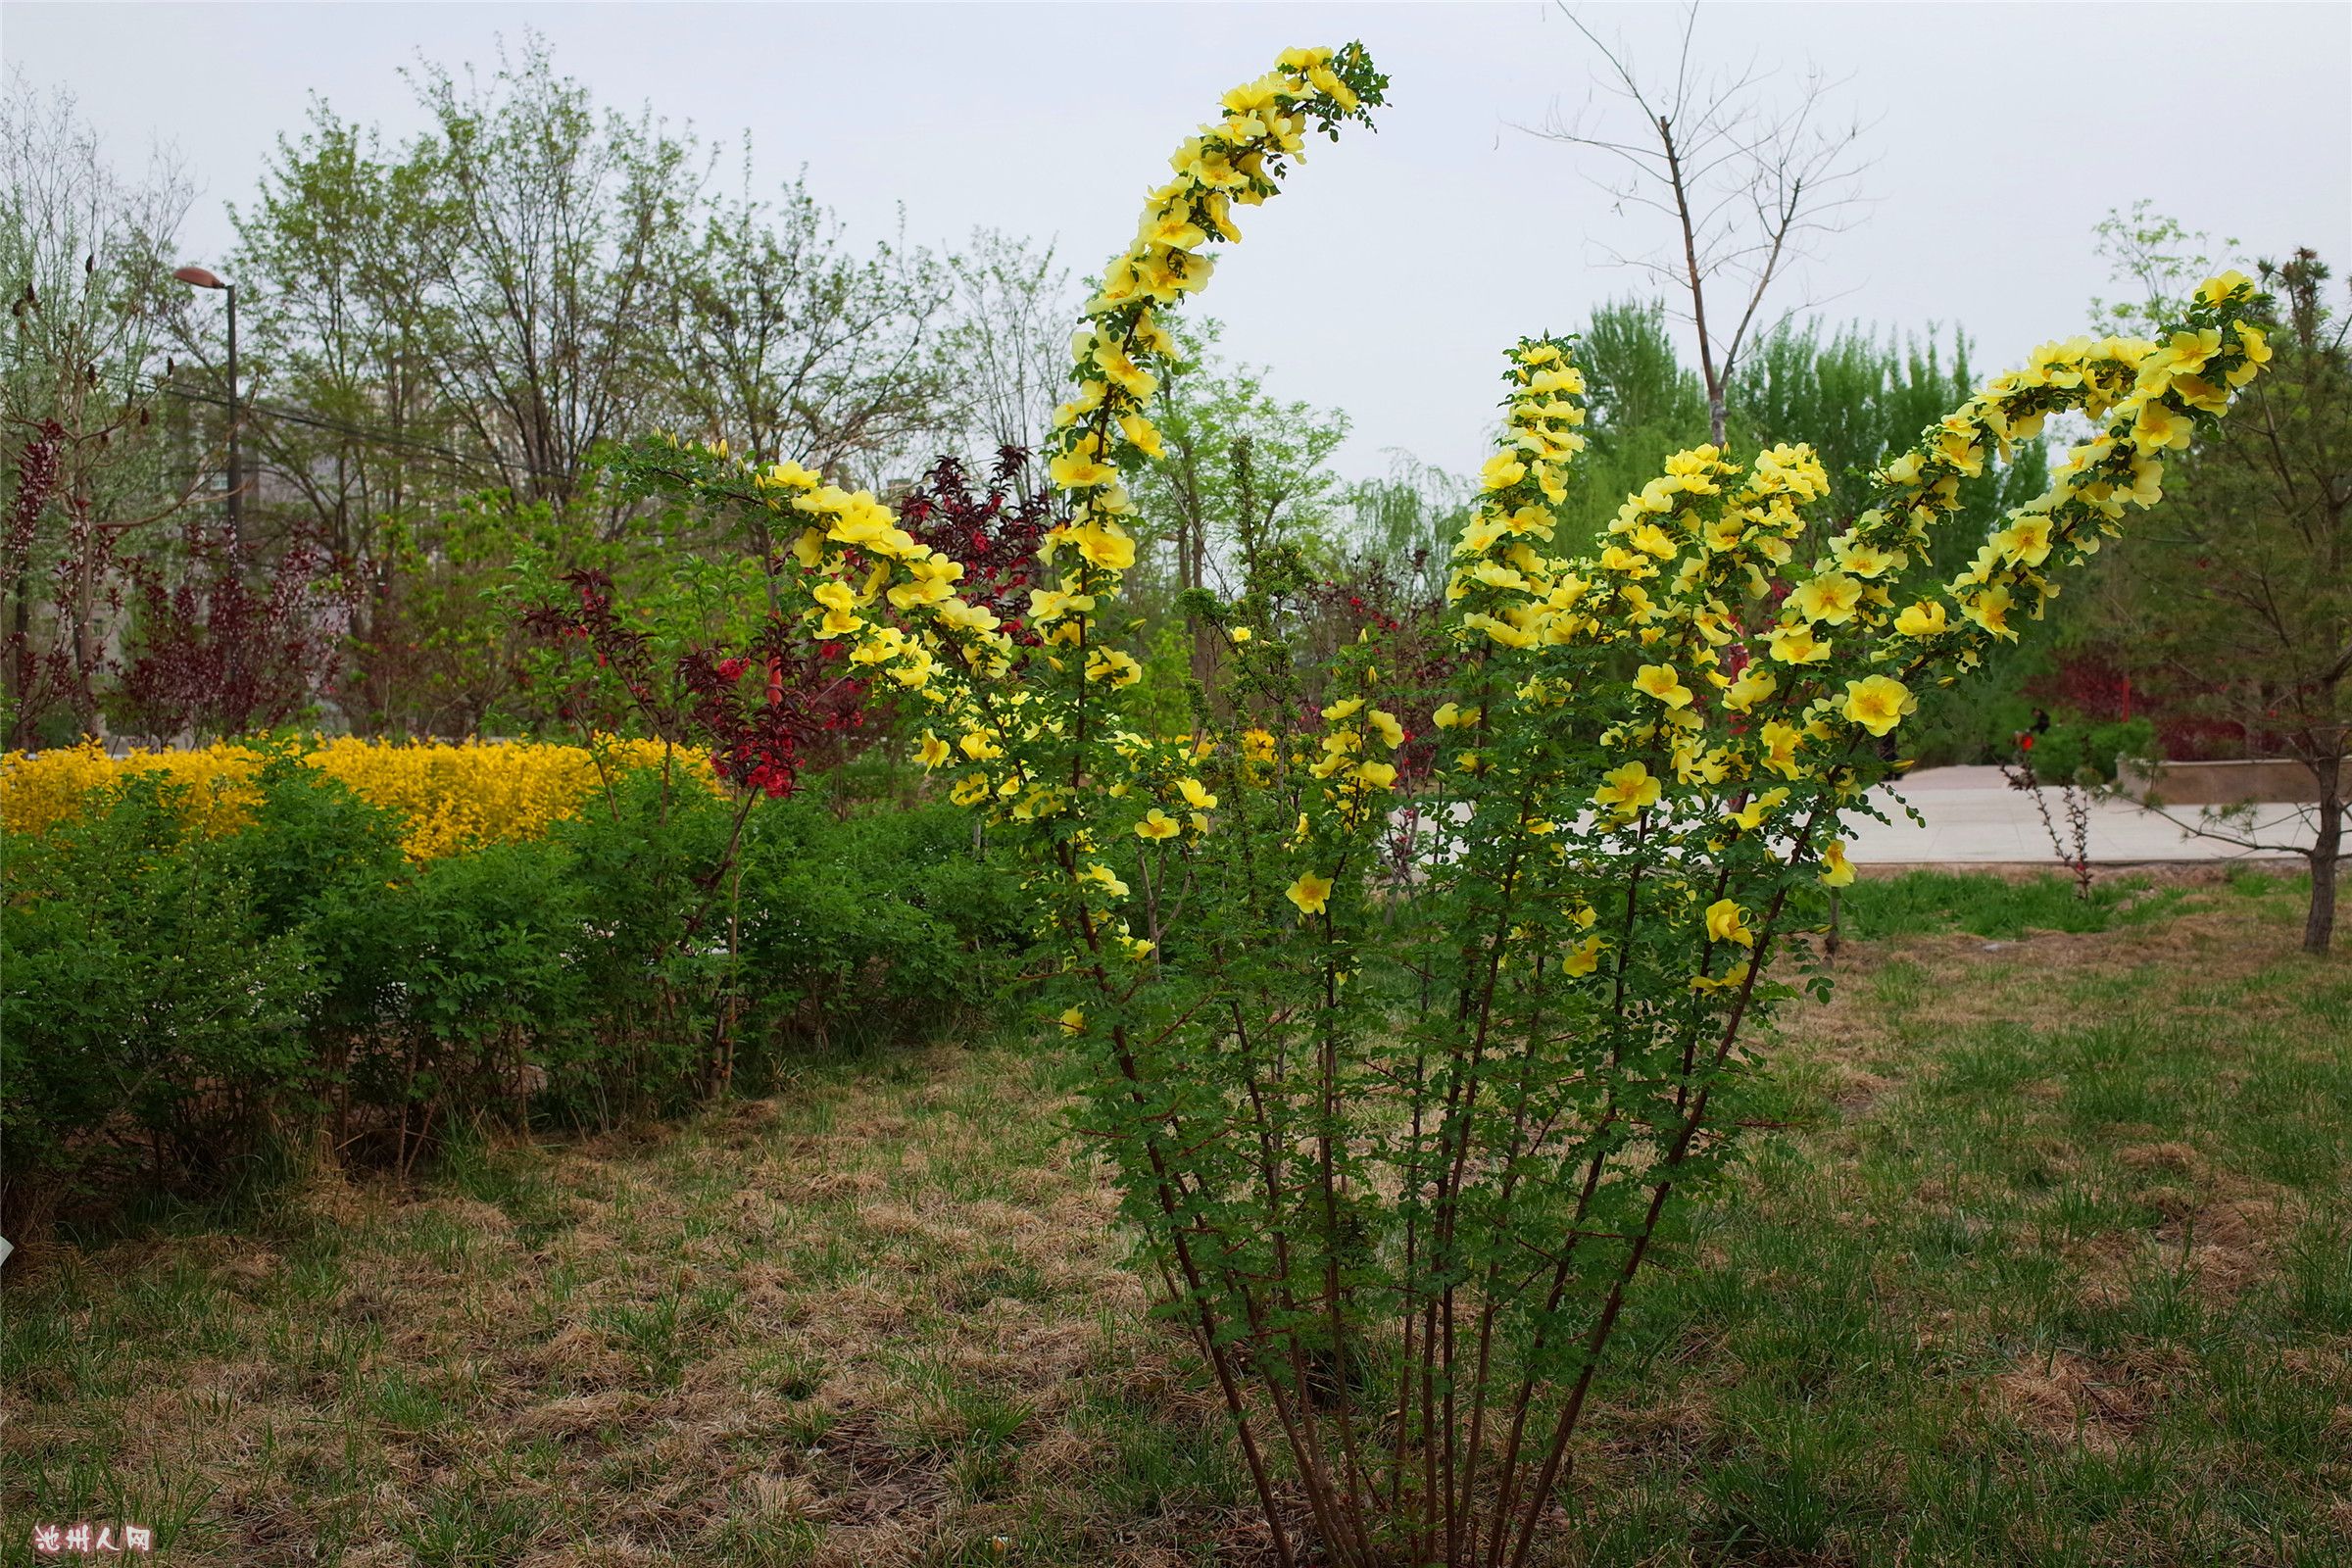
198	277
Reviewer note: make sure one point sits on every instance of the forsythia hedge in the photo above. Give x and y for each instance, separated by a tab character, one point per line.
449	798
186	985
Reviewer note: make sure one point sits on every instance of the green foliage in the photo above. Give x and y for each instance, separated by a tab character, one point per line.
871	925
1197	497
148	1012
179	1001
2076	754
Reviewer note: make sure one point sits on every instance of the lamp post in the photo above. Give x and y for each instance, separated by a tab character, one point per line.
198	277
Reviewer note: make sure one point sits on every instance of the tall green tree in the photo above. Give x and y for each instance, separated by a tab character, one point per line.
1642	406
786	339
1236	462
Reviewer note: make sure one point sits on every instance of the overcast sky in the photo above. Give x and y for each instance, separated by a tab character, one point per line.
1390	273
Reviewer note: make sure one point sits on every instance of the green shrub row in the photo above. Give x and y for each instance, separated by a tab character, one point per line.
2081	753
175	1005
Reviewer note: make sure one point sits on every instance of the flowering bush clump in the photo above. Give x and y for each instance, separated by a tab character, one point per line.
1397	1144
449	798
180	992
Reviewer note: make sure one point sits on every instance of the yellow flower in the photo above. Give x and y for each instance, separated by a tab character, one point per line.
2159	426
1829	597
1391	732
1867	561
1727	922
1796	645
1902	471
2257	350
1104	877
1048	605
1837	870
1344	707
1652	540
1141	433
1501	631
1755	683
1106	545
1112	665
1781	742
1878	703
1923	619
1452	715
1627	790
1073	1021
965	617
1583	957
2216	290
2027	539
1990	610
1195	795
1661	682
1157	825
1310	893
1751	817
935	751
1502	470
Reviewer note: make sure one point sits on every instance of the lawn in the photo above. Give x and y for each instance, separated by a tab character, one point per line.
2051	1263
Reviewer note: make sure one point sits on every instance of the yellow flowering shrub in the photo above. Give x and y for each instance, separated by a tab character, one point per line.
451	797
1400	1146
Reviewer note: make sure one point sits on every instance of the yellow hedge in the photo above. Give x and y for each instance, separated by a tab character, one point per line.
453	798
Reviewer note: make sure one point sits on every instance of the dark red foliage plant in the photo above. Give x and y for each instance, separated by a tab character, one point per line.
994	532
755	709
216	649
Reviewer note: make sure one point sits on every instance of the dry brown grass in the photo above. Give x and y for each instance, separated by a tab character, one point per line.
885	1318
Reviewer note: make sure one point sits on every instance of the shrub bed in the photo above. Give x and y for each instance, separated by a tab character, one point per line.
184	990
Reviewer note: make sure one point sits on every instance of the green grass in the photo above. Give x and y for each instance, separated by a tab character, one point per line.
2055	1268
1924	903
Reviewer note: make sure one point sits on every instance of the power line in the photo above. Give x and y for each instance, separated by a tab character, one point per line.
131	383
381	438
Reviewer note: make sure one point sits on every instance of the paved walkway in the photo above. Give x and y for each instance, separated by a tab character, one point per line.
1973	816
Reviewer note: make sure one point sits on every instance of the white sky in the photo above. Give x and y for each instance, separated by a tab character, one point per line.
1390	273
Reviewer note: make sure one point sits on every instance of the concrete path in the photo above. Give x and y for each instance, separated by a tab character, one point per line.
1973	816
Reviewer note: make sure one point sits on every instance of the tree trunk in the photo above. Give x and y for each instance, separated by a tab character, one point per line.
2319	926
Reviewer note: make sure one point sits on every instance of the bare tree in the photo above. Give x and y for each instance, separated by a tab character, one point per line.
1749	175
1009	340
81	253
